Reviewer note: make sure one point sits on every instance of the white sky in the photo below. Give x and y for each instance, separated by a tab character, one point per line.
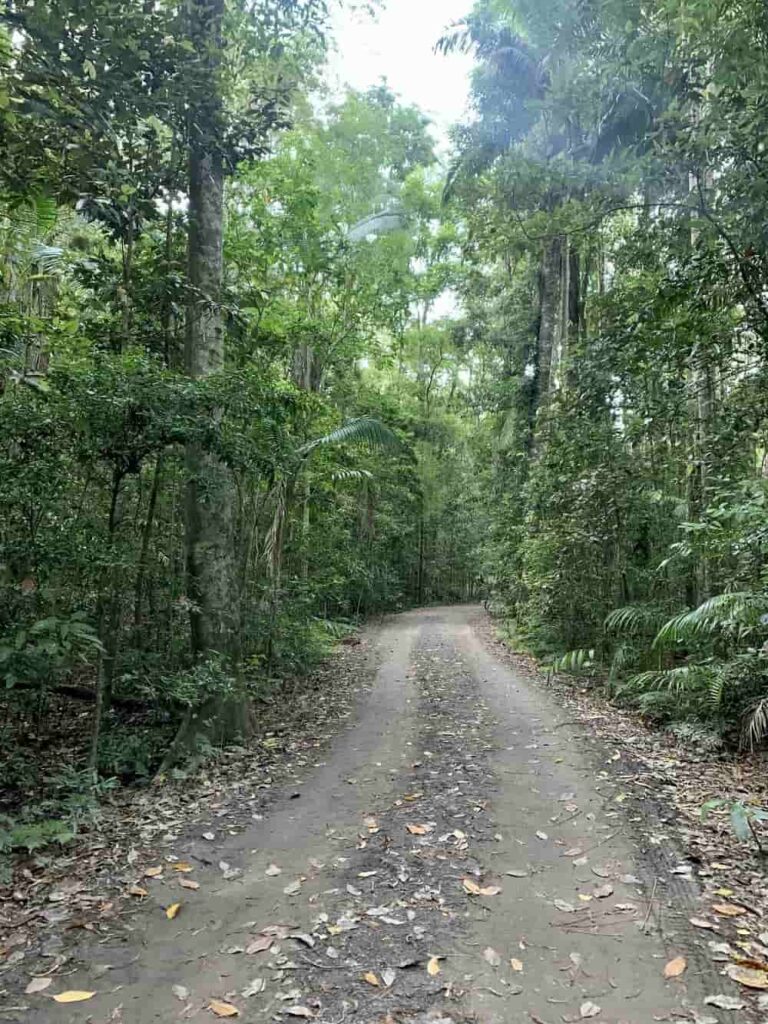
398	45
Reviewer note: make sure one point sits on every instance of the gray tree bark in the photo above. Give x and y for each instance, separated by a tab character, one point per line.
210	493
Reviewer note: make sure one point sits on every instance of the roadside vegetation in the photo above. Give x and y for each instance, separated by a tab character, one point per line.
269	367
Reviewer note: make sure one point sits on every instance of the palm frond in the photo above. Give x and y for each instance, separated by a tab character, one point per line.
574	660
741	609
635	618
351	474
48	258
755	728
364	430
679	680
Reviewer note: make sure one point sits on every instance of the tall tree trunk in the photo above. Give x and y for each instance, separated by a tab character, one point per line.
550	317
210	498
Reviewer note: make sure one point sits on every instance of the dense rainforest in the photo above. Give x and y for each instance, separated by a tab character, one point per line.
272	362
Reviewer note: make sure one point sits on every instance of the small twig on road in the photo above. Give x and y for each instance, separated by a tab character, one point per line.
321	967
650	904
607	839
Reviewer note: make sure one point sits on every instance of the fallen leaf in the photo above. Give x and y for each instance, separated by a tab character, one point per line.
433	967
136	890
748	976
299	1011
724	892
73	996
491	956
699	922
181	865
724	1002
516	873
675	967
37	985
254	988
471	887
189	883
542	835
589	1009
172	911
273	870
515	964
154	872
388	977
259	945
223	1009
372	979
491	890
180	992
418	830
728	909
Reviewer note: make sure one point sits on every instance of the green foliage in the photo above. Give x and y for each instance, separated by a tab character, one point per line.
610	183
743	818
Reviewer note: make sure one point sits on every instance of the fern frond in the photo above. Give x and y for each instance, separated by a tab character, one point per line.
715	690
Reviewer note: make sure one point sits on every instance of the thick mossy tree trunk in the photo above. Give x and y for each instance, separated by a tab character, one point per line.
210	494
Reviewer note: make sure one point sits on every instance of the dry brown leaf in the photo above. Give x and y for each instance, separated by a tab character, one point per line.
136	890
418	830
37	985
221	1009
259	945
748	976
490	890
728	909
154	872
188	883
172	911
181	865
471	887
371	978
675	967
73	996
433	967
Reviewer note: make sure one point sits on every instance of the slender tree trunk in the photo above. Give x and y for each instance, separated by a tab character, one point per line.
108	625
146	537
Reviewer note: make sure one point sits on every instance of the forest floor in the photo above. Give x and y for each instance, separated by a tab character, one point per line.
470	845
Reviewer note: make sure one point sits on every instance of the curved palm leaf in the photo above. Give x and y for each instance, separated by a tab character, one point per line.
364	430
737	609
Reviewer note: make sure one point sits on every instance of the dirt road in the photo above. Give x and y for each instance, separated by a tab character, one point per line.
458	857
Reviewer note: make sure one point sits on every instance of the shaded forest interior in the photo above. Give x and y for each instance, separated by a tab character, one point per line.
272	362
